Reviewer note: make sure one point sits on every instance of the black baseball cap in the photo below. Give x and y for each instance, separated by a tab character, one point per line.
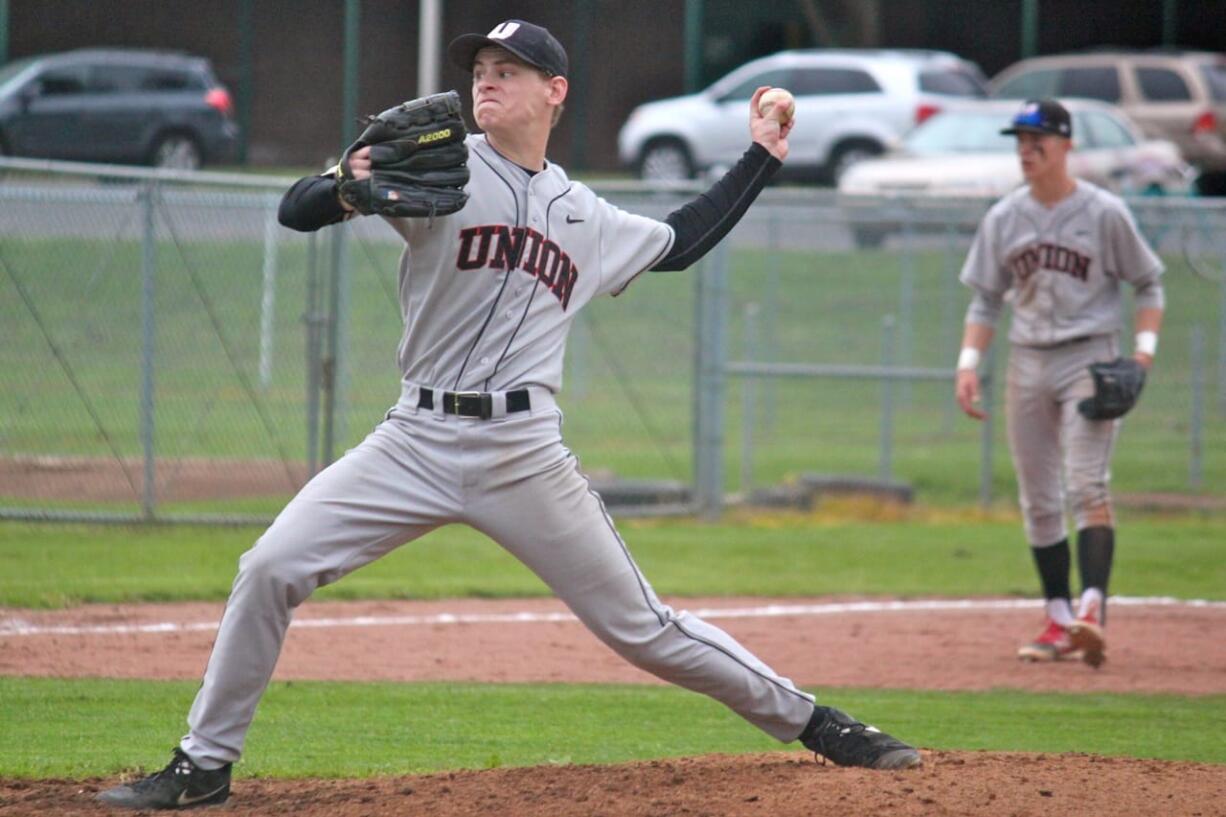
1042	116
531	43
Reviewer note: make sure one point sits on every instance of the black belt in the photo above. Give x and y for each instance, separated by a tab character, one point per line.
473	403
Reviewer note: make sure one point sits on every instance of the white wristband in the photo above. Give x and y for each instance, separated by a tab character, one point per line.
968	358
1147	343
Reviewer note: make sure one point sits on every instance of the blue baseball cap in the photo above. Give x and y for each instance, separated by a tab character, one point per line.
1042	116
531	43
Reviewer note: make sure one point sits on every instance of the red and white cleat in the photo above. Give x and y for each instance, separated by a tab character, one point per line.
1052	644
1087	636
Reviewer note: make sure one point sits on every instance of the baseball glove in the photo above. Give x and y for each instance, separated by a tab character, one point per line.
1117	385
418	160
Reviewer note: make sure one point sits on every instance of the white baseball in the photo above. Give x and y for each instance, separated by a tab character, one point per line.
779	103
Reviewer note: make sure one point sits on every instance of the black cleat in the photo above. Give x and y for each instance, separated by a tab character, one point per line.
180	785
845	741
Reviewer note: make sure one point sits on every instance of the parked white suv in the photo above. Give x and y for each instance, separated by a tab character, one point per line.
850	105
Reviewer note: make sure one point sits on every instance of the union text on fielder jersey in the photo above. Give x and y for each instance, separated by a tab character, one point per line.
1060	267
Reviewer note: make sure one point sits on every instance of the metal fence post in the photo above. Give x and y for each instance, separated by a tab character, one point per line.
987	432
1196	470
906	298
330	370
313	322
711	304
148	325
269	298
951	336
749	398
886	454
343	312
770	342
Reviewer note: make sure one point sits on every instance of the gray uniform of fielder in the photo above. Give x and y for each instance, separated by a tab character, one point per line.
488	295
1061	269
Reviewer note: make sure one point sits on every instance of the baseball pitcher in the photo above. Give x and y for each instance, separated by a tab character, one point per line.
1058	249
502	250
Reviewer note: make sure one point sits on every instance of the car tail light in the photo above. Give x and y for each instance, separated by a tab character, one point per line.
219	98
925	110
1205	123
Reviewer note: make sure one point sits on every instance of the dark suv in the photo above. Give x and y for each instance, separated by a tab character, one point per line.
117	105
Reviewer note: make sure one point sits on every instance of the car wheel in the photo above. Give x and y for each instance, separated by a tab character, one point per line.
848	154
666	160
176	151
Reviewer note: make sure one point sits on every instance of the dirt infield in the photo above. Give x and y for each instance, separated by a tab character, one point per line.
939	644
768	785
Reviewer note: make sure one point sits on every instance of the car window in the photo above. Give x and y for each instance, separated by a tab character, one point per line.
1092	83
1030	85
777	78
61	81
1162	85
816	81
111	79
951	83
163	79
1103	131
960	132
1215	78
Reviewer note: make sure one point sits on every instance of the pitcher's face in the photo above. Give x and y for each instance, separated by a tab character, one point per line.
508	93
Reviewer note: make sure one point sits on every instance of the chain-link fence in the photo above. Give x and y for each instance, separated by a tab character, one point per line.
843	321
170	352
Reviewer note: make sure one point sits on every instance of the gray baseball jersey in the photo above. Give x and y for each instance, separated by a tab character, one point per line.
488	296
563	246
1060	268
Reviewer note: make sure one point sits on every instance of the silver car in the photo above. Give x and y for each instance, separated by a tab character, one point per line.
850	104
960	153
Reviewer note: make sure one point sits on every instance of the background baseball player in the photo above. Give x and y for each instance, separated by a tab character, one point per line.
1057	248
488	294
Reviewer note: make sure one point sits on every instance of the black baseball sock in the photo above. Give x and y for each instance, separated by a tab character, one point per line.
1095	553
1053	563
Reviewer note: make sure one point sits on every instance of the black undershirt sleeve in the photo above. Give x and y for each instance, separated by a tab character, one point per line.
310	203
699	225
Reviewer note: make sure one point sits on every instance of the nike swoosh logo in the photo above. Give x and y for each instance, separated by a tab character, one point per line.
184	800
570	220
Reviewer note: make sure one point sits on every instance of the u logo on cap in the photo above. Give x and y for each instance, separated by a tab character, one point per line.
503	30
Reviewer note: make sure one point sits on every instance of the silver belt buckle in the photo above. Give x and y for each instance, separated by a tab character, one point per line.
484	404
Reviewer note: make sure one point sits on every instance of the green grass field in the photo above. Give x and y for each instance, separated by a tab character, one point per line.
82	727
86	728
44	565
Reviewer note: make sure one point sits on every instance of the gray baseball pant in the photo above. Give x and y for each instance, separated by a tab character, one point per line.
510	477
1052	445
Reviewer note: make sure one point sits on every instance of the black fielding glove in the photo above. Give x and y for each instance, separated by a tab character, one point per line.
418	161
